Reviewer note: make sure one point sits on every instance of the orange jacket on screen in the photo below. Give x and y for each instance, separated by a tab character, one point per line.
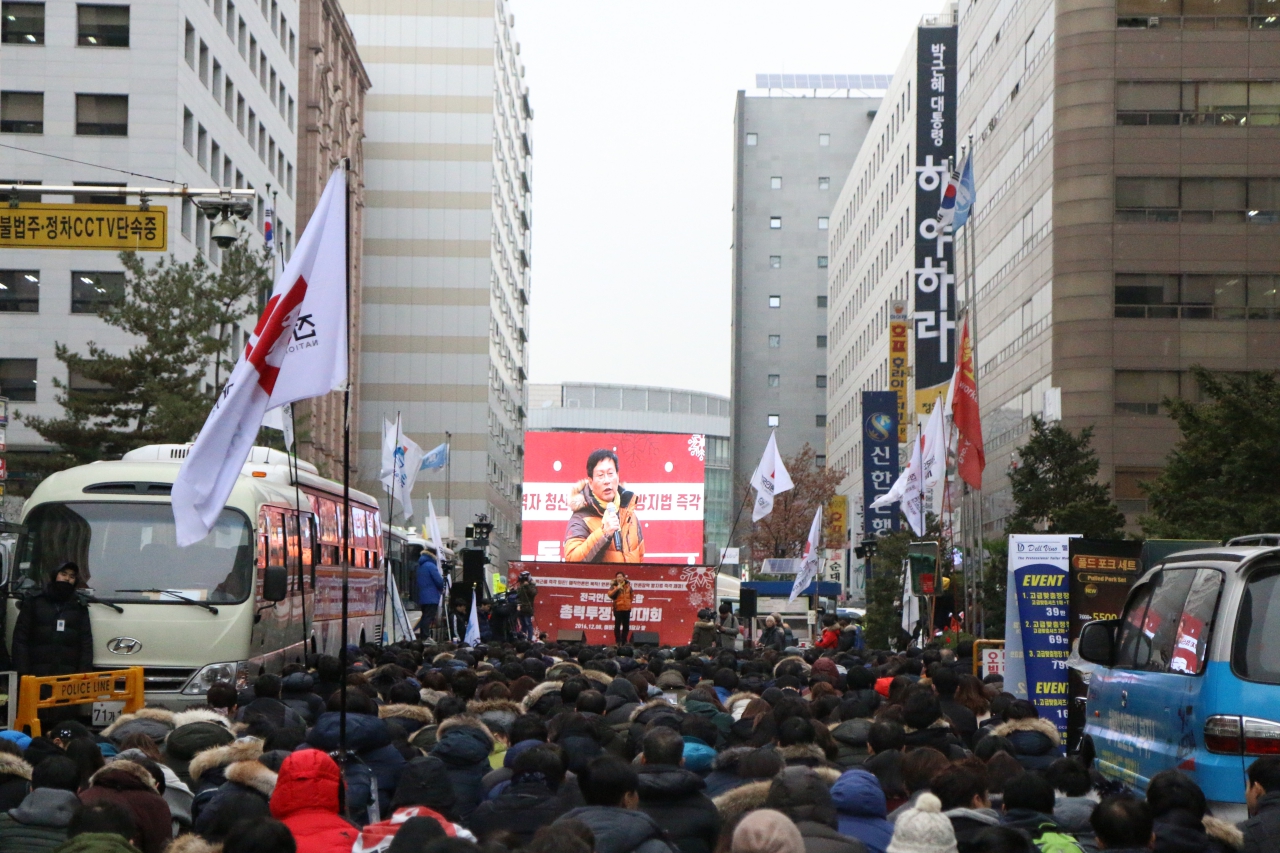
584	542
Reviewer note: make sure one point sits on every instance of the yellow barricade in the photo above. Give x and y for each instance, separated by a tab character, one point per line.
56	691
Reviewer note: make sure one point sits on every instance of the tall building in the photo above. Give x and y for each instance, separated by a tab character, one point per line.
173	91
792	148
1128	195
448	158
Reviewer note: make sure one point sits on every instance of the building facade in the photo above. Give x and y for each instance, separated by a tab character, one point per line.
792	150
448	159
138	94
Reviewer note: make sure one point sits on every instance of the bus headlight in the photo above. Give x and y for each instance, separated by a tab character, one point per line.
210	675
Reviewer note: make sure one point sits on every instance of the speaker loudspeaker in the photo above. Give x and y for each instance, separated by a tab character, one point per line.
571	636
747	604
473	561
644	638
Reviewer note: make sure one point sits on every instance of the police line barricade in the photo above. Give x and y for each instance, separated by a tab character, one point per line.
988	658
8	699
82	688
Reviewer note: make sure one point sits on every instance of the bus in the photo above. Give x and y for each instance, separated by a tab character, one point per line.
263	589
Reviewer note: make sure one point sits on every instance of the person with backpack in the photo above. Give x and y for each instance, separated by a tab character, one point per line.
1028	805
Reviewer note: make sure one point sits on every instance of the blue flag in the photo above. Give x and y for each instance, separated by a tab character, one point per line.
436	457
965	194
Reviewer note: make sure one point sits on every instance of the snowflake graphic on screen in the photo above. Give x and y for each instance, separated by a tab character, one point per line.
698	446
702	587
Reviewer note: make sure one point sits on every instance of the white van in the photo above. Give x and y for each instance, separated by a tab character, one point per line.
262	589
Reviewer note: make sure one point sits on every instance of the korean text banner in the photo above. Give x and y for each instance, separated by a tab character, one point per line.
660	506
574	597
899	372
1102	570
934	289
1037	623
879	459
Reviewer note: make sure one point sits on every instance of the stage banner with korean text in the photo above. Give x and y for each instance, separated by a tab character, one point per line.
575	597
661	477
879	459
934	310
1037	623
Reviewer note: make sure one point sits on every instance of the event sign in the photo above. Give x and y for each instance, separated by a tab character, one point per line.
899	372
879	459
1037	625
665	474
575	597
1102	570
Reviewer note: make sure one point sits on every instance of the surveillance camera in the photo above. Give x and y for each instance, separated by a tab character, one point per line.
224	233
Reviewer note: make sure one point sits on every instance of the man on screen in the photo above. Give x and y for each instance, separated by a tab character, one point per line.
604	528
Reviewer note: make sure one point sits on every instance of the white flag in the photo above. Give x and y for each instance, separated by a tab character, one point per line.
298	350
934	452
812	561
473	623
770	479
906	490
401	456
434	527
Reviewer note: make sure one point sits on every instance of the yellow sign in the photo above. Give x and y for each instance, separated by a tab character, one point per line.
82	688
898	371
91	688
84	226
499	585
838	518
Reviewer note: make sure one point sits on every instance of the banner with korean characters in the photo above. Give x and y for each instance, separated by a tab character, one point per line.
85	226
1037	623
879	459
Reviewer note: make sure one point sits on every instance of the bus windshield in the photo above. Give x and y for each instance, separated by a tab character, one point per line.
127	552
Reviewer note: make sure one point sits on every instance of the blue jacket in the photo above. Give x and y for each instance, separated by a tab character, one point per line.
430	583
860	808
370	739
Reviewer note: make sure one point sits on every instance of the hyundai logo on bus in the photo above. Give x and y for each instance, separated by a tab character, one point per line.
124	646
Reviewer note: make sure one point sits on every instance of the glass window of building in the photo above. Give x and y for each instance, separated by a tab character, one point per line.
22	23
18	379
775	341
20	291
21	112
822	262
824	222
822	342
775	222
824	183
773	420
824	139
775	301
93	291
775	262
774	380
102	115
102	26
775	183
752	138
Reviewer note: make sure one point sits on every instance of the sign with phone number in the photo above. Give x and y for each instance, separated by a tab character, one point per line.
85	226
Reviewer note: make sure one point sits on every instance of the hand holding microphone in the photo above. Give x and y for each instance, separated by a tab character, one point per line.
611	526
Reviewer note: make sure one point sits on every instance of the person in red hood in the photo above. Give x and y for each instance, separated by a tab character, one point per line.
306	801
830	633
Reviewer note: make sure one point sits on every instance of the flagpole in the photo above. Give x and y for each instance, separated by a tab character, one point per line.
386	559
297	499
346	501
448	476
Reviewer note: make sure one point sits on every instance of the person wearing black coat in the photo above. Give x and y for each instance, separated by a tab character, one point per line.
673	796
297	690
463	744
368	737
1262	829
535	797
52	635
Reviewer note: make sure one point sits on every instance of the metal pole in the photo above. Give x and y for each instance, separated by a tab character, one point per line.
346	509
448	479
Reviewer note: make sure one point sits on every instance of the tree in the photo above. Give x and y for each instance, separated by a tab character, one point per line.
153	393
995	574
883	620
1054	489
783	532
1219	480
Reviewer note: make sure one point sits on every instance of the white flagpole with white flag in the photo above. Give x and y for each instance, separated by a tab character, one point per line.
473	623
770	479
906	490
812	562
401	457
434	528
934	452
298	350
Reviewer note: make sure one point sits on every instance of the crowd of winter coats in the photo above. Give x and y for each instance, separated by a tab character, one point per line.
575	749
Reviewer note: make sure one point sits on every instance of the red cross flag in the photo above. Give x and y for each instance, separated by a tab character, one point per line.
298	350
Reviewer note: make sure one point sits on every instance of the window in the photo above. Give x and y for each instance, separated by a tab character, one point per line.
21	112
1146	193
189	46
820	460
775	301
203	64
20	291
81	386
99	197
774	380
1140	392
822	342
102	115
1255	200
824	139
775	262
824	183
202	147
188	131
822	302
93	291
102	26
18	379
775	341
820	421
824	222
820	381
1153	647
775	183
772	420
775	222
822	262
751	138
1202	297
188	217
23	23
1252	656
216	87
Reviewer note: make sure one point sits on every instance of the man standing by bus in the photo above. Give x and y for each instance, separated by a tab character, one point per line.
52	635
430	587
526	592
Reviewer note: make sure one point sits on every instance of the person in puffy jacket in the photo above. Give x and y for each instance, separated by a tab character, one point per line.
306	800
430	587
52	635
15	776
298	691
370	739
704	630
463	743
673	796
134	786
40	822
861	809
536	796
830	634
772	637
802	795
1036	742
610	787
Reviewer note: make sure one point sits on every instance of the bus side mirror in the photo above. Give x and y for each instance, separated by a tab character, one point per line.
1097	641
275	583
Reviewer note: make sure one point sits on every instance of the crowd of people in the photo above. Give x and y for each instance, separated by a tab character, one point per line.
562	748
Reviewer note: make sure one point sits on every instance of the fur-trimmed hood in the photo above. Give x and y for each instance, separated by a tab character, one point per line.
252	774
752	795
539	691
200	715
430	697
124	765
1227	833
802	752
727	761
1030	724
506	706
563	670
464	721
807	667
159	715
192	843
420	714
652	704
249	749
12	765
744	699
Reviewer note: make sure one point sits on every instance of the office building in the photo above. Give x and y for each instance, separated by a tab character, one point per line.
174	91
793	144
448	158
1128	193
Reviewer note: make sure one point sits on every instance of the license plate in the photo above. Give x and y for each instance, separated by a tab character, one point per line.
105	713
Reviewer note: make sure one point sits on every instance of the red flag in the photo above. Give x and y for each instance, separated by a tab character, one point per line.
970	457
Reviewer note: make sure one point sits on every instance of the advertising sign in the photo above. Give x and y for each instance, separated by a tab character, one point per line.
898	370
990	662
1102	570
1037	624
934	275
85	226
837	518
659	498
574	597
4	411
879	459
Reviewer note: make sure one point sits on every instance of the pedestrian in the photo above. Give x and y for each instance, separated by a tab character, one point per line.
673	796
15	775
136	787
104	827
861	809
830	639
1036	742
963	721
1028	806
306	800
464	743
1262	829
704	630
802	795
40	821
923	829
526	592
962	790
772	637
610	787
766	831
370	739
1123	824
620	595
727	627
1182	819
430	587
52	635
534	798
266	705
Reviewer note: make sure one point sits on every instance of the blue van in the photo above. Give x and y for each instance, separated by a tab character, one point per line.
1189	676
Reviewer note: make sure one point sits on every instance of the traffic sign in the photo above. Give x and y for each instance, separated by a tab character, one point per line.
85	226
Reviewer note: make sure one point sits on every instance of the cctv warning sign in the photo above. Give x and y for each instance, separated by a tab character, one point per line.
84	226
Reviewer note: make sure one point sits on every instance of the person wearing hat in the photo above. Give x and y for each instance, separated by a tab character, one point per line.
526	592
923	829
52	635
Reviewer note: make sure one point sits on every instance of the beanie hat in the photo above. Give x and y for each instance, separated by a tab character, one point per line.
767	831
923	829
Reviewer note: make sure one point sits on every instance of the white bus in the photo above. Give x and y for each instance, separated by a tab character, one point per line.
263	589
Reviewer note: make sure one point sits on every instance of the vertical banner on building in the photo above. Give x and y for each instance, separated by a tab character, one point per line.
879	459
899	319
934	277
1037	624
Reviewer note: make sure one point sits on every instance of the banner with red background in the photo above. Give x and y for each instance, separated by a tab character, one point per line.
574	597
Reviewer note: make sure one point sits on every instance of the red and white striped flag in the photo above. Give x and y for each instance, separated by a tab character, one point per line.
298	350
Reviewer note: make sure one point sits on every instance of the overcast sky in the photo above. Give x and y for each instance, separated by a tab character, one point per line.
633	167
